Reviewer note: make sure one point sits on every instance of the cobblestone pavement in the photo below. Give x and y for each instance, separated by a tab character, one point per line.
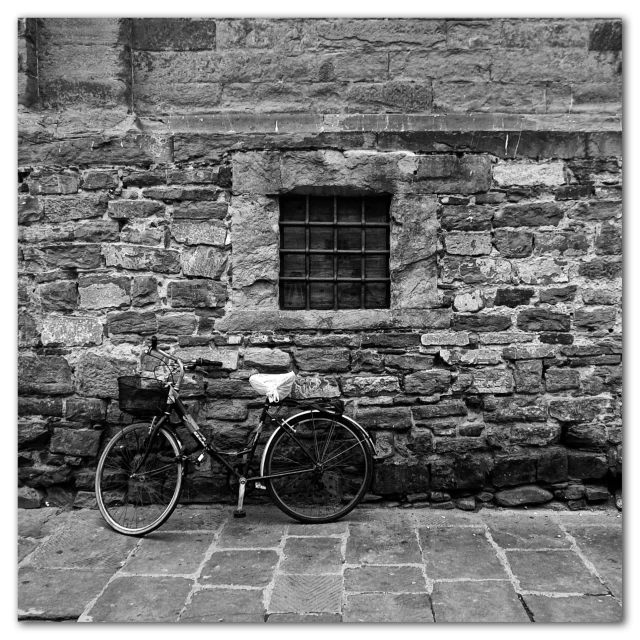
377	565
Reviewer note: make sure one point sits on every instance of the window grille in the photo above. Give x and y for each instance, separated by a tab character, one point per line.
334	252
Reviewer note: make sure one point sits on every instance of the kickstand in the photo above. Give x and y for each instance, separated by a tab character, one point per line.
240	512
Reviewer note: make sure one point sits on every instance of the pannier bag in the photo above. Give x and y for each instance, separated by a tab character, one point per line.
275	387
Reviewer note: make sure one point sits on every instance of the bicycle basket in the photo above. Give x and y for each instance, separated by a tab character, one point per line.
142	396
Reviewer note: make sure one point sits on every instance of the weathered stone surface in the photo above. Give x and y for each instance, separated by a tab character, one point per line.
32	432
141	322
316	387
409	361
83	256
558	379
469	302
599	268
468	243
558	294
513	470
390	340
396	418
543	320
131	209
71	331
40	406
104	291
592	437
196	293
532	214
516	409
476	271
254	234
595	210
529	352
96	375
556	338
58	296
204	261
528	494
85	409
423	415
587	466
492	381
529	174
75	442
367	360
30	209
513	244
579	409
471	356
200	210
470	218
594	319
92	180
412	265
44	375
528	376
459	338
177	324
600	296
552	465
142	258
46	183
171	194
212	232
536	435
369	385
427	383
482	322
336	359
267	359
29	498
144	291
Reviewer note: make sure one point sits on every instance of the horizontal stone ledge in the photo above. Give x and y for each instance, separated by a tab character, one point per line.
310	122
356	320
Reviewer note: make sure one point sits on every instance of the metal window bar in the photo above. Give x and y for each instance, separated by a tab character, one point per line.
307	279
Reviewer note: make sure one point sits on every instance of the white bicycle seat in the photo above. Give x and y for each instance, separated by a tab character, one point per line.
275	386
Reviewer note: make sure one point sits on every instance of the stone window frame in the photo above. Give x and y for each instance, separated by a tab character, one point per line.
260	177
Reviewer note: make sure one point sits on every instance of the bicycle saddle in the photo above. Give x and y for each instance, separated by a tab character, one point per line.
274	386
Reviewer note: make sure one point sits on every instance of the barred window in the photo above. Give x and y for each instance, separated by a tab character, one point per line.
334	252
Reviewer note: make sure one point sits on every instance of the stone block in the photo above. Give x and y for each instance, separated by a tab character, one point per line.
427	383
96	375
85	410
531	214
177	324
204	262
369	385
469	302
558	294
476	271
407	362
587	466
591	437
579	409
596	493
92	180
171	194
367	360
196	293
29	498
85	256
71	331
390	419
49	375
459	339
96	231
400	477
142	258
40	406
255	238
75	442
200	210
104	291
141	322
466	218
548	174
513	470
420	441
600	296
481	322
527	494
529	352
45	183
412	265
144	178
513	244
552	465
177	34
390	340
187	232
316	387
144	291
562	243
30	209
596	210
336	359
32	433
543	320
492	381
267	360
594	319
471	356
599	268
58	296
535	434
558	379
468	243
64	208
516	409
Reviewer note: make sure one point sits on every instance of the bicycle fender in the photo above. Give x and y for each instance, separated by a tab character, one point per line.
359	428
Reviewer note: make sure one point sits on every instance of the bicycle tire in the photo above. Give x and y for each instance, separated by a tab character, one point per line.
327	494
132	502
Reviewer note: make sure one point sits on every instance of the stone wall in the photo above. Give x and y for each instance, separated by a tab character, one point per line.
151	157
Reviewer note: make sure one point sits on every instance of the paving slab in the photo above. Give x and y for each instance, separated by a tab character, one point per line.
169	554
437	518
25	547
459	553
312	555
387	607
553	571
244	533
84	541
602	545
389	579
141	599
55	594
329	529
478	601
225	605
32	523
582	609
527	533
306	594
298	618
383	543
246	567
194	518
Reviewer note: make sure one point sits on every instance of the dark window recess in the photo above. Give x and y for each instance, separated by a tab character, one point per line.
334	252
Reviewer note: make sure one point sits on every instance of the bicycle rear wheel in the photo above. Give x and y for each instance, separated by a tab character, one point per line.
138	482
329	463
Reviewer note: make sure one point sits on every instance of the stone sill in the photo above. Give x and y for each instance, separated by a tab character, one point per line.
357	320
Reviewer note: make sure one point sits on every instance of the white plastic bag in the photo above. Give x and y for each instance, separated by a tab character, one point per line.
275	386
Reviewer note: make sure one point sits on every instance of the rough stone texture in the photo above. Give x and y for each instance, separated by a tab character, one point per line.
152	155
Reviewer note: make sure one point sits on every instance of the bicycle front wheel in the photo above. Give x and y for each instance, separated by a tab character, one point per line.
326	466
138	481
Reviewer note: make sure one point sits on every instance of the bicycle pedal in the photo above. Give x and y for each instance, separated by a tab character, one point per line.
239	513
259	485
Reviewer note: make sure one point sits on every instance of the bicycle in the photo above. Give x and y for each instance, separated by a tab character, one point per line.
316	466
